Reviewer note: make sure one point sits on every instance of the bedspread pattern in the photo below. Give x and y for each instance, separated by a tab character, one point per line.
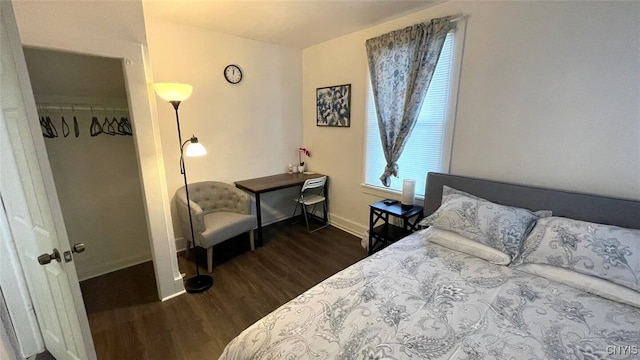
422	301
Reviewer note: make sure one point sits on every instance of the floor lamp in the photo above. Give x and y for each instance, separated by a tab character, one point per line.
175	94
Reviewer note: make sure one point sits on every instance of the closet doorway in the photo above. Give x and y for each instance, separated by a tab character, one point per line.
82	108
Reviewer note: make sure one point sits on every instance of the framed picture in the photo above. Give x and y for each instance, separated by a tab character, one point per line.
333	106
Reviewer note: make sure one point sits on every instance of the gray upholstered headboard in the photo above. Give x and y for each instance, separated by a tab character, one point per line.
586	207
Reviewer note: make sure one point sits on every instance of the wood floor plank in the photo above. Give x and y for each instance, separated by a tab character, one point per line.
128	322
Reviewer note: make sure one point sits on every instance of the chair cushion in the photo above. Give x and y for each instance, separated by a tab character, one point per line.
223	225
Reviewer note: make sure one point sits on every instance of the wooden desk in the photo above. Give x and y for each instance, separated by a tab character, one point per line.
265	184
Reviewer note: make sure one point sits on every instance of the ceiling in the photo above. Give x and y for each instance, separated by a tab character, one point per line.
292	23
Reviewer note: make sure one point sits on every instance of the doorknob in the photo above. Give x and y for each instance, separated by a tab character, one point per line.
78	248
44	259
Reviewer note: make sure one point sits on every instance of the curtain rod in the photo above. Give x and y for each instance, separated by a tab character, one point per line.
458	17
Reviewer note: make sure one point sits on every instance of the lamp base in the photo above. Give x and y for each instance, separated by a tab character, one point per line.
198	284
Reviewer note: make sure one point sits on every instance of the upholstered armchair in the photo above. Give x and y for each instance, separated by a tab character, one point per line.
219	212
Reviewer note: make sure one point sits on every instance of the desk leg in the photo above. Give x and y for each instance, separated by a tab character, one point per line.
259	216
326	202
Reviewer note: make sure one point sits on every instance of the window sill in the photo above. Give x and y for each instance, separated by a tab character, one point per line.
385	192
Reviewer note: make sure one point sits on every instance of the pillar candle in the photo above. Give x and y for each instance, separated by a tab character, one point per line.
408	192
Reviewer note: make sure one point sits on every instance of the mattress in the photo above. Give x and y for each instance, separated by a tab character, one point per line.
418	300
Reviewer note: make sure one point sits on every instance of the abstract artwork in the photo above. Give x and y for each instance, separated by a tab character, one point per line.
333	105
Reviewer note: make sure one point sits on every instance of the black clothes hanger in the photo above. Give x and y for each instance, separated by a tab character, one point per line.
65	127
45	130
107	127
76	128
95	129
124	126
51	129
117	127
127	125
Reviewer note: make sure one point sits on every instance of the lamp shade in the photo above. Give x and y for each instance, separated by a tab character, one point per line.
173	91
195	149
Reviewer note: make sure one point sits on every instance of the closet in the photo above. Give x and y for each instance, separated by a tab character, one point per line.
83	114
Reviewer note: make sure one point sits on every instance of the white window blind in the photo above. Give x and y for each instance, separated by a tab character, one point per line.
424	150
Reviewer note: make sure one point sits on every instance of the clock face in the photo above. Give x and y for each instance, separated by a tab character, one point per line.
233	74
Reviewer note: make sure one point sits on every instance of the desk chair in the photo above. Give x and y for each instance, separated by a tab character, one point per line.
311	194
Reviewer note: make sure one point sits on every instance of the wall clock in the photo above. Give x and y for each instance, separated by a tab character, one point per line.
233	74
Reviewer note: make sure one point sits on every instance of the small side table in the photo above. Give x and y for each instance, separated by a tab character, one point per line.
386	233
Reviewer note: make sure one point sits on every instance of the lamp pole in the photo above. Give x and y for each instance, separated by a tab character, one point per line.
171	93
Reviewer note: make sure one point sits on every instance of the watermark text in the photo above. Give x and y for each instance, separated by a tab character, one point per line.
623	350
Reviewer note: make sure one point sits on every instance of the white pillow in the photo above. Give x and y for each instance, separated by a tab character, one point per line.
591	284
460	243
499	226
606	251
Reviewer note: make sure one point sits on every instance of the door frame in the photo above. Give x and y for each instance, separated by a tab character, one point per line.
142	107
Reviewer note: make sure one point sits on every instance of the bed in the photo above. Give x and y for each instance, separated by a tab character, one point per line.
419	299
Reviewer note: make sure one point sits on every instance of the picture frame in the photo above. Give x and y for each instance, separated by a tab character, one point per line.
333	106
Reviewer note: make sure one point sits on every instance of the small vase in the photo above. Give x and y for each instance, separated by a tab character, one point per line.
300	168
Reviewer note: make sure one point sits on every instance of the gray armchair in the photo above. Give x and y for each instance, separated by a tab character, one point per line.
219	212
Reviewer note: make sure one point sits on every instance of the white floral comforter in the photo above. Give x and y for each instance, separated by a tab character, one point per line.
422	301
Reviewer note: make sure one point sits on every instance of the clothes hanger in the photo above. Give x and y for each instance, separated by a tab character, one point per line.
51	129
65	127
95	128
107	127
124	126
76	128
44	128
118	128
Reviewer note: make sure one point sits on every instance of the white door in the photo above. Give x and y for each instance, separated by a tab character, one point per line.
32	207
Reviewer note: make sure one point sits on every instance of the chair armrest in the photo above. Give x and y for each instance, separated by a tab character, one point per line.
197	216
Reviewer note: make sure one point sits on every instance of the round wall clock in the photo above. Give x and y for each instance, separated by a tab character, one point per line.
233	74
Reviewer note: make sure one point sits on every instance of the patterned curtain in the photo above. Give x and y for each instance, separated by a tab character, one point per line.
402	64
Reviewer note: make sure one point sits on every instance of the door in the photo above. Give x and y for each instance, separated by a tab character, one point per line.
32	206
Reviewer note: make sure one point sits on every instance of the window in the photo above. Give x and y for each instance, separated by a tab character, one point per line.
428	146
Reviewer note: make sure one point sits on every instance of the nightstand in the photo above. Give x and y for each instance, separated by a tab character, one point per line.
386	233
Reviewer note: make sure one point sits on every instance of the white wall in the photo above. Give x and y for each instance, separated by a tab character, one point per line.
548	96
251	129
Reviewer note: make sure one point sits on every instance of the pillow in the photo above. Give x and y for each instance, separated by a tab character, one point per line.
591	284
498	226
451	191
460	243
608	252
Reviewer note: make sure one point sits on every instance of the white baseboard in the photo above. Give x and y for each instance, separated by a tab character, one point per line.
105	268
181	244
347	225
174	295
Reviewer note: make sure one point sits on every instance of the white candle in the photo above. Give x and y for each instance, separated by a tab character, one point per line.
408	192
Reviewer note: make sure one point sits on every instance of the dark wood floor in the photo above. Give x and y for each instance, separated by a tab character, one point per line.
128	322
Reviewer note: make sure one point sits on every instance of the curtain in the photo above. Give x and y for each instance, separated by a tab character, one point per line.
402	64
